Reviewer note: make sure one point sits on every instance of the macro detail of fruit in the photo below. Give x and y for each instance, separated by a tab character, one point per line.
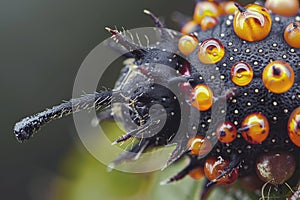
241	92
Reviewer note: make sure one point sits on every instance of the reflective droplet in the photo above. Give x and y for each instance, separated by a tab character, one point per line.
187	44
228	7
283	7
275	167
294	127
255	128
213	168
226	132
211	51
252	23
278	76
208	22
241	73
197	173
190	27
199	145
201	97
204	8
292	34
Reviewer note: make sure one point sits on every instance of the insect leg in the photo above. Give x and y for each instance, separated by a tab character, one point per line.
155	19
132	154
25	128
134	49
192	165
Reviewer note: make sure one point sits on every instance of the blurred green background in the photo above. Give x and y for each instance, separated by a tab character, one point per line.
42	44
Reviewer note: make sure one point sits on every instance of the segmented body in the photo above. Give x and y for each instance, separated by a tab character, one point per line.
254	97
229	97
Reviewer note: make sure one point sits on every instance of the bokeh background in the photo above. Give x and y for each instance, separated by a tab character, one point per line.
42	45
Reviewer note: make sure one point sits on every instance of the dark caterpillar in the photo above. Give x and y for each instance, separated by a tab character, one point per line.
230	94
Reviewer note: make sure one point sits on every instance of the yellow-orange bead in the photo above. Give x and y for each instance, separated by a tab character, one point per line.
228	7
208	22
241	73
187	44
294	126
252	23
199	146
278	76
292	34
202	97
213	167
211	51
255	128
283	7
190	27
226	132
205	8
197	173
